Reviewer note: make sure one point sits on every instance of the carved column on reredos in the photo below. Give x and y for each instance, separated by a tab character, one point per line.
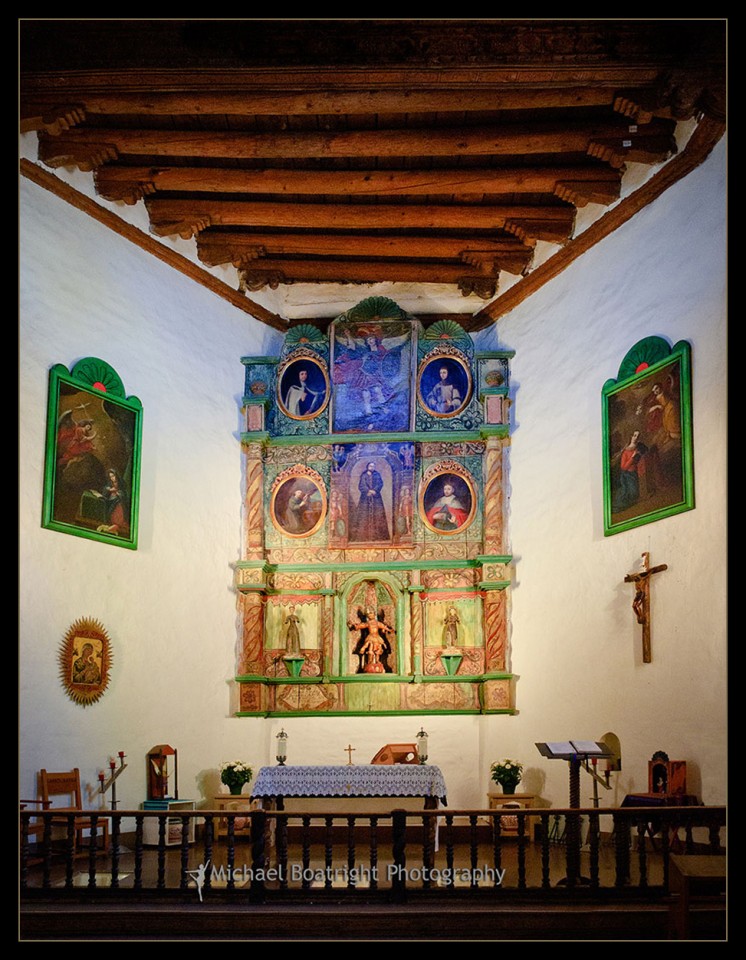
253	508
493	496
327	627
416	627
495	629
252	611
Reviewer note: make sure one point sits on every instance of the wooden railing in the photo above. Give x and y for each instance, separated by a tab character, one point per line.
602	852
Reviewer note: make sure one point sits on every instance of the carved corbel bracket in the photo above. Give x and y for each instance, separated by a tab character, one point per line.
253	280
484	287
62	152
617	151
215	251
52	120
581	192
553	231
128	191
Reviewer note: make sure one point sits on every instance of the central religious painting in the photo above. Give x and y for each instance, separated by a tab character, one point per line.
374	576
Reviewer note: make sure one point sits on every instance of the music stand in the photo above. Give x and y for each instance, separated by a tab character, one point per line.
577	753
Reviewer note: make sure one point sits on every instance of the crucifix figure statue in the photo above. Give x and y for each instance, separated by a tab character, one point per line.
641	600
348	750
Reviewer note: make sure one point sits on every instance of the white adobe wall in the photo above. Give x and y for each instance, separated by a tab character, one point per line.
576	643
169	607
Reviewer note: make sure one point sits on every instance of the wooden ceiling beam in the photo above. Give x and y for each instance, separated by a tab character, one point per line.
132	183
215	249
499	140
187	217
43	87
208	102
273	272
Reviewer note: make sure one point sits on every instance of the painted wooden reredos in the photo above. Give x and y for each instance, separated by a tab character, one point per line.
374	575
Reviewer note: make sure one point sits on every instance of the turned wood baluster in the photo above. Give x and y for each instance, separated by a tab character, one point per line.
474	849
545	843
427	850
230	825
328	851
374	853
689	836
350	853
281	834
259	830
642	853
186	823
713	836
497	851
594	844
621	849
665	851
306	854
161	881
138	851
208	837
69	848
399	856
92	851
521	853
450	851
116	827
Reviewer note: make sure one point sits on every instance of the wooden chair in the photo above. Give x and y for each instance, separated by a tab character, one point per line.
67	784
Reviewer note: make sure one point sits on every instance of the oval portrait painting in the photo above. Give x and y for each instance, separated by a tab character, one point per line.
303	388
298	506
447	503
444	385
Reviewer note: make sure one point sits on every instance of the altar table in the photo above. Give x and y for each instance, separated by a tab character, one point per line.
356	780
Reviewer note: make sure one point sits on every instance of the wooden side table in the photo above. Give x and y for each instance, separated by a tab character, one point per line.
509	824
229	801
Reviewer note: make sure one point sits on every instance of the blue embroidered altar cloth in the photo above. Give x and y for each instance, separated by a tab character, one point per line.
358	780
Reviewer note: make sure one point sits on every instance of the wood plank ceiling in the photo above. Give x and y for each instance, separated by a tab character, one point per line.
363	151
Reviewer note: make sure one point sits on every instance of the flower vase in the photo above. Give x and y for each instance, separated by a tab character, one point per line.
508	788
236	789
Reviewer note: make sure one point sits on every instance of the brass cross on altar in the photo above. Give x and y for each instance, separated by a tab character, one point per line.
348	751
641	601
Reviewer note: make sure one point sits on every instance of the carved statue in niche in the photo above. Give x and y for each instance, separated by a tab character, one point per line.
451	627
371	614
373	646
292	632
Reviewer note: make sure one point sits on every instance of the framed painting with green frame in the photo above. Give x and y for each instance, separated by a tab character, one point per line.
648	466
93	448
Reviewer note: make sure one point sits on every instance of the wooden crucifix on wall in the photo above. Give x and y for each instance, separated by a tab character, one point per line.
641	600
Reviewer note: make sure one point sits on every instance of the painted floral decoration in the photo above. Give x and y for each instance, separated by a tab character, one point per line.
234	774
508	773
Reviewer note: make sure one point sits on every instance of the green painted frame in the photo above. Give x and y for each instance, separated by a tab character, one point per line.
648	456
92	465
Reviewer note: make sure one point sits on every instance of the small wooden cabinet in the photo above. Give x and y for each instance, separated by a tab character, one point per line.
508	823
150	829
